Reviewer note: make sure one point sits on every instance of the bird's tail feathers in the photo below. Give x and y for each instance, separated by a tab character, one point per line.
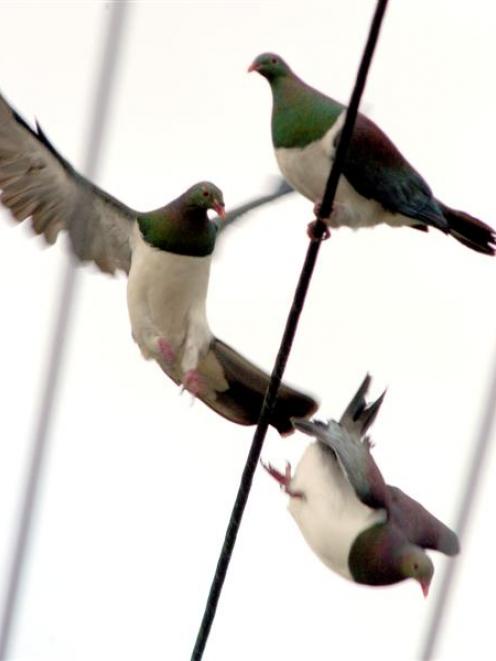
356	419
359	415
470	231
241	401
346	439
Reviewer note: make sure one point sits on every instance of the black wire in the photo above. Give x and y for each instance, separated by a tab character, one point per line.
472	484
286	342
39	448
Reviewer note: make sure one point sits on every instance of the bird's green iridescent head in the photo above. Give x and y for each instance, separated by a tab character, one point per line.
183	226
416	564
270	66
204	195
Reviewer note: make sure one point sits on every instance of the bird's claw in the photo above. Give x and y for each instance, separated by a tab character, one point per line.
166	351
312	234
284	479
193	382
316	209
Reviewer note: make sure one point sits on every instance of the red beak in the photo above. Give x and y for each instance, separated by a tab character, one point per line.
219	209
252	67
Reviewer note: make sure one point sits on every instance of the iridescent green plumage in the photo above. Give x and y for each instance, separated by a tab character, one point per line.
305	131
300	113
182	226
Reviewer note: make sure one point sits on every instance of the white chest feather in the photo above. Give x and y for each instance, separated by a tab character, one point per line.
330	516
166	297
307	170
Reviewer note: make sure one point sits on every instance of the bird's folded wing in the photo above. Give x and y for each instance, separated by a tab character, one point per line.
377	170
37	183
354	458
235	388
419	525
352	449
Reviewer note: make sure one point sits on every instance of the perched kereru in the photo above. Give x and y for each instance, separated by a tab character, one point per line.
377	184
166	253
357	525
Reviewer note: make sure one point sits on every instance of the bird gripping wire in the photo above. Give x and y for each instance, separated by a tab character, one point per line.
287	338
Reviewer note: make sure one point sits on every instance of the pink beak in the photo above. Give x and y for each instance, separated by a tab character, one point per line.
219	209
425	585
252	67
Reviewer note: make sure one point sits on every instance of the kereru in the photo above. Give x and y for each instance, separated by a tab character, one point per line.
166	253
377	184
363	529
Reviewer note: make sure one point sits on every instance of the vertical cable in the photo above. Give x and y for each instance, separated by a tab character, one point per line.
286	342
39	447
472	483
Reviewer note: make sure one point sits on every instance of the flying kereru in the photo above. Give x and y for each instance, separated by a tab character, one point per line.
357	525
377	184
166	254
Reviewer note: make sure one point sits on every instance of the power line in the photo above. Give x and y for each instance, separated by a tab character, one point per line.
472	483
39	447
287	340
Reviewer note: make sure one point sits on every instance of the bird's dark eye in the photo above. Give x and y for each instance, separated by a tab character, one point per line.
274	60
415	566
206	193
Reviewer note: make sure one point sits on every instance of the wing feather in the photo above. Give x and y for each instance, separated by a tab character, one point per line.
236	389
38	183
420	526
351	447
377	170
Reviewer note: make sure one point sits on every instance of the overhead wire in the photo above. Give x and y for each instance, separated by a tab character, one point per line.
287	340
469	496
117	16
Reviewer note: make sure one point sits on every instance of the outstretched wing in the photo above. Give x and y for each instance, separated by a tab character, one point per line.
38	183
352	449
419	525
377	170
236	389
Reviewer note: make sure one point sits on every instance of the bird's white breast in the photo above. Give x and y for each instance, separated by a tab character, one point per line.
330	516
307	170
166	297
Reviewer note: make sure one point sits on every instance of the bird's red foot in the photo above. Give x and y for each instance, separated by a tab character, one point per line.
194	382
166	351
312	233
283	479
316	208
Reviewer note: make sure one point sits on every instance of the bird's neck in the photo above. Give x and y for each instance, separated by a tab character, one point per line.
187	233
300	113
374	558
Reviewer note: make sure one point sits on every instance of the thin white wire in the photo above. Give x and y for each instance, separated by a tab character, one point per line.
39	448
472	484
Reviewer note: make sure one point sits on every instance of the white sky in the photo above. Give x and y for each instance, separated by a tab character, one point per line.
140	483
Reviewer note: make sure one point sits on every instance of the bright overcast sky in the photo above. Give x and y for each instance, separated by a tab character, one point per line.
139	482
